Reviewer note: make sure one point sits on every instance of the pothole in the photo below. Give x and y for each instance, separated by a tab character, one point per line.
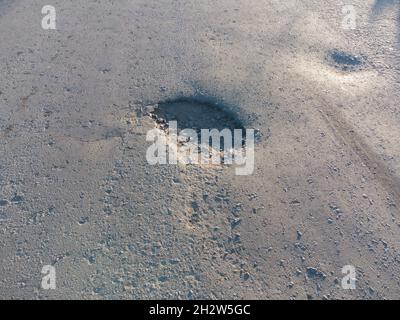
345	61
195	115
202	119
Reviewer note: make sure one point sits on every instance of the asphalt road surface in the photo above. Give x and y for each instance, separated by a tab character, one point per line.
76	190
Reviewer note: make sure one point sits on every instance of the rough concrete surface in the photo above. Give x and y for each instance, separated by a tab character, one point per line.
76	190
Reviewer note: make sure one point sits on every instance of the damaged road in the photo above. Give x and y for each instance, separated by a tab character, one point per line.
76	190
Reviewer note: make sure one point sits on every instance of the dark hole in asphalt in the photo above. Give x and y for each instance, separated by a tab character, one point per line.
196	115
345	61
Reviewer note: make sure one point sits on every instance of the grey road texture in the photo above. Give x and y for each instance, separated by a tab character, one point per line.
78	194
